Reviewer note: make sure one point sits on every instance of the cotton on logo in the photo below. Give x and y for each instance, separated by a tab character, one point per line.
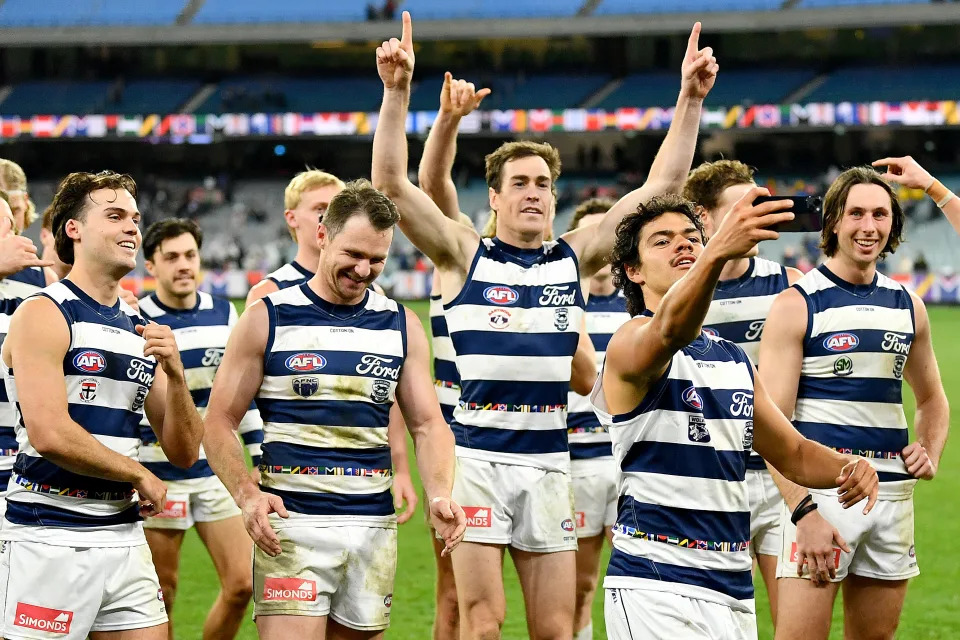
836	555
477	516
841	342
501	295
289	589
90	361
174	509
42	619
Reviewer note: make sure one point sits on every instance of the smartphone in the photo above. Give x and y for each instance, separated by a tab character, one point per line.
807	213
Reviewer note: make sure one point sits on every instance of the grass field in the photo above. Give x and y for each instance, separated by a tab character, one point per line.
933	603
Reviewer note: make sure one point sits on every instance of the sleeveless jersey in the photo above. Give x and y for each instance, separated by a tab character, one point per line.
291	274
330	378
589	439
683	524
854	353
201	334
514	328
13	290
445	375
739	309
107	380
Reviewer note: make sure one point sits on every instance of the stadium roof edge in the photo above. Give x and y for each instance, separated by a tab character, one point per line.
637	24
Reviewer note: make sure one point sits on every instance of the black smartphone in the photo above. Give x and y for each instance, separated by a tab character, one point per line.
807	213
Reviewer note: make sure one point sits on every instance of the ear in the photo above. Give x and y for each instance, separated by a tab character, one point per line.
705	219
151	269
290	218
322	236
72	229
634	275
494	197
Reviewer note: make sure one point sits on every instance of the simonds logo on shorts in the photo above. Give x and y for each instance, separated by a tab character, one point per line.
477	516
31	616
290	589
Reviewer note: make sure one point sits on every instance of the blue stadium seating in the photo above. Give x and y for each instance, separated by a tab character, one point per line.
253	11
876	83
305	95
817	4
623	7
154	96
48	13
445	9
52	97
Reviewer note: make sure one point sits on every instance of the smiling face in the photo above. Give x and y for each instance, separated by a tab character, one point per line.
107	232
525	204
353	258
176	266
865	224
669	246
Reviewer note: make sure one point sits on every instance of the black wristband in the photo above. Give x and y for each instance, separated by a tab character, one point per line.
800	512
807	499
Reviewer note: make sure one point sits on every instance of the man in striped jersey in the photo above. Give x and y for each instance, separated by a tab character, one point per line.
195	497
326	361
841	338
741	301
81	366
514	308
683	409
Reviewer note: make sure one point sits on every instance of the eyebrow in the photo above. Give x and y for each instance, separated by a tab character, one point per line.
121	210
521	176
670	234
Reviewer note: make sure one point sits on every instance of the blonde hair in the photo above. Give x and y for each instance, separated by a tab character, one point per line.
12	178
305	181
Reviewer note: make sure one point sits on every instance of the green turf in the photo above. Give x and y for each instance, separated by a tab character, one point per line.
933	602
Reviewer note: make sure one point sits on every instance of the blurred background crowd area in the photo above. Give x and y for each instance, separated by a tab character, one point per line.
814	86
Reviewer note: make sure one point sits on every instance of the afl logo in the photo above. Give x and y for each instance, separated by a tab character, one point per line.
305	362
90	361
841	342
710	331
692	398
500	295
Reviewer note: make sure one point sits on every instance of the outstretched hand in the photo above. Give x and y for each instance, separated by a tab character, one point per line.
459	97
699	69
395	58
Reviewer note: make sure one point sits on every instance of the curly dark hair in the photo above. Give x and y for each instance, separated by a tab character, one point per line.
70	203
836	201
626	249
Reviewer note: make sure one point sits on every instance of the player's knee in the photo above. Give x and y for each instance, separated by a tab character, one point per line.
237	592
484	622
586	588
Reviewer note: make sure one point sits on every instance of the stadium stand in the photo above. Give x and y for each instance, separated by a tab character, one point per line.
626	7
294	94
48	13
56	97
254	11
444	9
890	84
817	4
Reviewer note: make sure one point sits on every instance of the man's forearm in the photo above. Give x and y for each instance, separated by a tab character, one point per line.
436	164
683	309
390	151
74	449
397	439
182	429
812	465
434	444
932	423
225	456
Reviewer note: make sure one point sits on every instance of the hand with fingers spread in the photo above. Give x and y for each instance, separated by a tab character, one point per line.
459	97
918	461
905	171
817	543
449	521
161	344
403	491
858	480
395	58
152	494
18	253
746	225
256	507
699	69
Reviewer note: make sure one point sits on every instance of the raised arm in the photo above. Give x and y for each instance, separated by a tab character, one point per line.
35	346
457	99
234	388
909	173
448	244
931	420
669	170
432	438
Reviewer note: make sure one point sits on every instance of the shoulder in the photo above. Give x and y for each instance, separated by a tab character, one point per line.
263	288
793	274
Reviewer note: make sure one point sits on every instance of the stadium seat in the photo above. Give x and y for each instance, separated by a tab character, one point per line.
888	84
305	95
55	97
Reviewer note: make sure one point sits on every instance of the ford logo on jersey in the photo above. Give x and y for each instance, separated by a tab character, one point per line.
500	295
841	341
692	398
306	361
90	361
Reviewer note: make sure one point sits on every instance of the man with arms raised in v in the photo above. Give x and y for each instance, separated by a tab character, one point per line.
843	338
683	409
741	301
514	308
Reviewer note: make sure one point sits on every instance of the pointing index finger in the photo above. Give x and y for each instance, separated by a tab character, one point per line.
693	44
406	38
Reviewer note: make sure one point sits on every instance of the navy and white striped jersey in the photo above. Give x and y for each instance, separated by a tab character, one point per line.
854	353
683	524
291	274
589	439
445	375
107	380
739	310
201	334
13	290
514	328
330	378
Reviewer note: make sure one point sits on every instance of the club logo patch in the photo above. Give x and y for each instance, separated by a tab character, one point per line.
380	391
561	318
899	362
748	436
499	319
691	398
305	362
501	295
139	399
306	386
842	366
844	341
88	389
90	361
697	429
